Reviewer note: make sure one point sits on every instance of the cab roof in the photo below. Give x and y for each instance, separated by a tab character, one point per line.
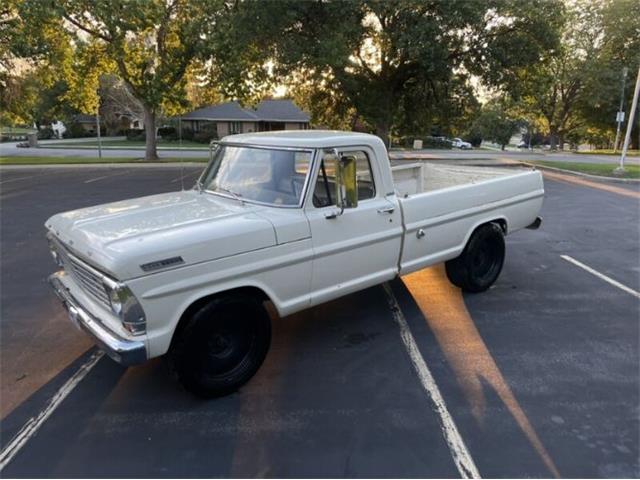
305	138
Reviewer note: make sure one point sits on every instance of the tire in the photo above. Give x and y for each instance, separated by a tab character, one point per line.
480	263
221	346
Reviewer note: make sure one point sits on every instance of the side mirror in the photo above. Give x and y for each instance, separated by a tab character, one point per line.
346	182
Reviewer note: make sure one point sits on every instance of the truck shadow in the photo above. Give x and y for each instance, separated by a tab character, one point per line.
475	370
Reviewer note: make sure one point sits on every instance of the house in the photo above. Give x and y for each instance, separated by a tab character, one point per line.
87	122
229	118
110	123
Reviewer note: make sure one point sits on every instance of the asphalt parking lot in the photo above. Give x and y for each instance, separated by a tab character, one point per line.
540	375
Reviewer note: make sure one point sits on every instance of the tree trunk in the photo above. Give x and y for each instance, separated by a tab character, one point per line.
382	130
151	151
553	137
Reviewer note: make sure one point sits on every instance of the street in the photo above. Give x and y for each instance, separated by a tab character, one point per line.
9	149
540	375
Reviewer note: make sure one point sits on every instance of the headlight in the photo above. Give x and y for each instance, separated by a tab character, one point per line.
56	256
125	305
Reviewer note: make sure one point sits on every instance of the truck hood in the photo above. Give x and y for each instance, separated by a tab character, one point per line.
153	231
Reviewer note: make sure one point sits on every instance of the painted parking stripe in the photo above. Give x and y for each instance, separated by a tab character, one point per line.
601	276
461	456
105	176
33	425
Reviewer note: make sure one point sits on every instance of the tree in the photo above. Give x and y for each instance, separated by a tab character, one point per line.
496	123
117	104
620	49
577	85
151	43
384	58
30	91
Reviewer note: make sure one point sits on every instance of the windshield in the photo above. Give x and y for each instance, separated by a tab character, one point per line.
276	177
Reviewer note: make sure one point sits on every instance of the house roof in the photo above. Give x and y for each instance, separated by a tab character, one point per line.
230	111
268	110
280	110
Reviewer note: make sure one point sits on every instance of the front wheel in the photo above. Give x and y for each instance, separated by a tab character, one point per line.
480	263
221	346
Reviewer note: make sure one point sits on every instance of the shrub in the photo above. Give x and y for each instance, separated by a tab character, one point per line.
136	134
168	133
45	133
187	134
204	136
75	130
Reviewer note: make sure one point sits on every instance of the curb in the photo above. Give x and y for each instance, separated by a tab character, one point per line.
598	178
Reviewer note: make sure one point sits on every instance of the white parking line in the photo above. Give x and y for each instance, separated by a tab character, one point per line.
609	280
33	425
105	176
28	177
459	452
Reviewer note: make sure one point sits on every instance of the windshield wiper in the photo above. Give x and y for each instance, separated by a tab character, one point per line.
233	194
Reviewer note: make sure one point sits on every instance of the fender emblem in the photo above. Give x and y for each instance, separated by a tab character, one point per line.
164	263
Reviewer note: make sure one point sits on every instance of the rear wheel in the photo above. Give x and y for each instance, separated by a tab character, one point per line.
480	263
222	346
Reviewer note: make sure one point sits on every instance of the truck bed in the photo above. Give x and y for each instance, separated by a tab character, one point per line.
423	177
443	204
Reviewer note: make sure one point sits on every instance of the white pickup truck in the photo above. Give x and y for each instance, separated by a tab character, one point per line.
294	218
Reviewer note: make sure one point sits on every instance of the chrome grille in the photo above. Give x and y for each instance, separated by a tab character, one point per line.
89	279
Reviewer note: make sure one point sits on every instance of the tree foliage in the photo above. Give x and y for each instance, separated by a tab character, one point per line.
150	44
577	85
496	123
394	62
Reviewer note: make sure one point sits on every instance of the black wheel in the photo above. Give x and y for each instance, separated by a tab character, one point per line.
222	346
480	263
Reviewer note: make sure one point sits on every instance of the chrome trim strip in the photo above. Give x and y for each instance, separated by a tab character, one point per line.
124	351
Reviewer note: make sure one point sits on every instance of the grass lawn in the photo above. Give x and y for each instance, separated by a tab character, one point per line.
602	169
16	131
630	153
72	160
127	143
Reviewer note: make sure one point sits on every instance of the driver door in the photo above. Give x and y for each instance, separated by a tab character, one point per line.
360	247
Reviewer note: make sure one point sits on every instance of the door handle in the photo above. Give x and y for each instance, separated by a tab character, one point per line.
386	210
332	214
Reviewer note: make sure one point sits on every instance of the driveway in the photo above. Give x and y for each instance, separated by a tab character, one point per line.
539	376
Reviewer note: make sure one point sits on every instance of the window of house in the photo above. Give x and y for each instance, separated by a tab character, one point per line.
324	194
235	127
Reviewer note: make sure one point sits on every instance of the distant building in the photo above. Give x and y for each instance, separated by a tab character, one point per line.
118	122
88	122
229	118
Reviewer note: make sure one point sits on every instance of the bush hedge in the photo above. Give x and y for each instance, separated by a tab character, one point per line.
136	134
427	142
46	133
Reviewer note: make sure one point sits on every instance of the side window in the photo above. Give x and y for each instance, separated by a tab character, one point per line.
324	192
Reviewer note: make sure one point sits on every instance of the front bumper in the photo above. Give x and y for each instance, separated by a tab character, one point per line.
124	351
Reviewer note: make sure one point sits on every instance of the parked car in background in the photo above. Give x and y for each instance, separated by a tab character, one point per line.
461	144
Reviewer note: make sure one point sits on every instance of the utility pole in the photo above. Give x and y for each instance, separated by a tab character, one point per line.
620	113
632	112
98	127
